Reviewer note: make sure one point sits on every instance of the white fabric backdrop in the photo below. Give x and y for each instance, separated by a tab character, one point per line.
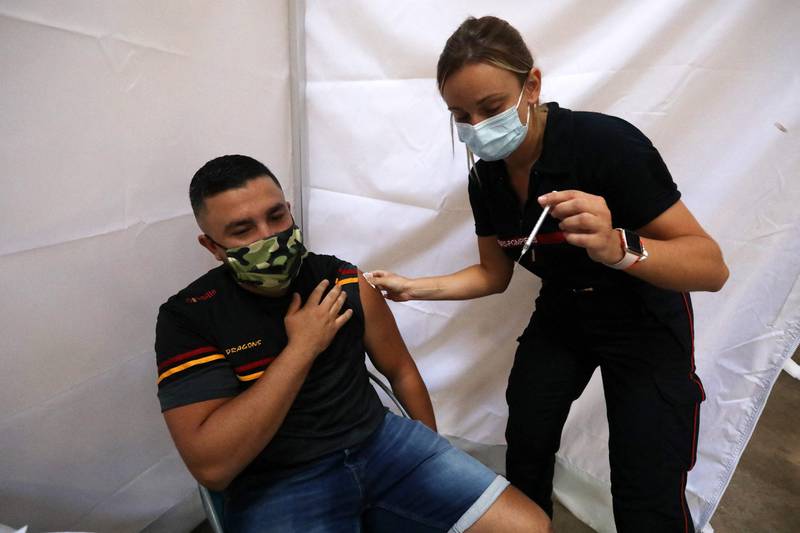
107	110
714	85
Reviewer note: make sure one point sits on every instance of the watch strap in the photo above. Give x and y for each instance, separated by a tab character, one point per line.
630	258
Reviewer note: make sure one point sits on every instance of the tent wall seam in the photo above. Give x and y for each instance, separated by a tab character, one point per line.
297	82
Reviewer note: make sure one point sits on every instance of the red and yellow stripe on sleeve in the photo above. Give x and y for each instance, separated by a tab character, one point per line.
347	275
183	361
262	364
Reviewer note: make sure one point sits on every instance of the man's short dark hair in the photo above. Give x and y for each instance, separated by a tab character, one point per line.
224	173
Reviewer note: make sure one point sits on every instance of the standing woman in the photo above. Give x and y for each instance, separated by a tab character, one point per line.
617	256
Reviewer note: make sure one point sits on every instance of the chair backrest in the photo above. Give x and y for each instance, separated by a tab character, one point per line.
385	388
213	502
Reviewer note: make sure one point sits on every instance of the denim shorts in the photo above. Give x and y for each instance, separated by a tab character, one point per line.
404	477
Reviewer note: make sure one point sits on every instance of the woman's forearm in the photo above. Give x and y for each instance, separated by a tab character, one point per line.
472	282
690	263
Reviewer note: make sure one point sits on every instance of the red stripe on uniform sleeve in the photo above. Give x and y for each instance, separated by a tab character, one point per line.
254	364
351	271
186	355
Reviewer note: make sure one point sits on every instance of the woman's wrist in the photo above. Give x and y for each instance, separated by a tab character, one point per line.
632	249
616	249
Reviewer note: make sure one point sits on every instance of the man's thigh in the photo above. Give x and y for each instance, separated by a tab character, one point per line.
323	498
412	474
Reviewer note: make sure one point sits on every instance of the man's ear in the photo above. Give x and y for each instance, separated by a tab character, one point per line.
209	245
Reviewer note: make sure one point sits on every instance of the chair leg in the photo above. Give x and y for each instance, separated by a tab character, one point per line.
211	511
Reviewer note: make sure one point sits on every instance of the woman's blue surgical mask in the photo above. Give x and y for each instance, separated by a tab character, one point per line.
496	137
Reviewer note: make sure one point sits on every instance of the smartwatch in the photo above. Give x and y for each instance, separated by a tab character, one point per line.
632	246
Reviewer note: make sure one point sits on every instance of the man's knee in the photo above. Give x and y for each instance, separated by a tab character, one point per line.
513	512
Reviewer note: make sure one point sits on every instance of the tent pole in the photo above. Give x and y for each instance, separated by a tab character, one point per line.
297	82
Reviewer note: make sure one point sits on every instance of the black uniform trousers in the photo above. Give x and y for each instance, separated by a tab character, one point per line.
652	398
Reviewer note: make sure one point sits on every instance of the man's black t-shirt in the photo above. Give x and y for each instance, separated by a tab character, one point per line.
591	152
214	339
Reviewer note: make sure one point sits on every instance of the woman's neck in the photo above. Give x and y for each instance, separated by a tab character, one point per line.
522	160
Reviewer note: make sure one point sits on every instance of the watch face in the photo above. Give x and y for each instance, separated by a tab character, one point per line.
633	242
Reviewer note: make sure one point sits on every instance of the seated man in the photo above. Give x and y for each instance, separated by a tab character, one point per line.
263	385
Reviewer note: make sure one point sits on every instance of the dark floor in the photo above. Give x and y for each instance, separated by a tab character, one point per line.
764	494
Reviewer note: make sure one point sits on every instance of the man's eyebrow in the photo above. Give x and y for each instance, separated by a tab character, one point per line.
236	223
481	101
275	208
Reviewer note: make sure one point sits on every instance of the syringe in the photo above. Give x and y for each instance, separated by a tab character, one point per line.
532	236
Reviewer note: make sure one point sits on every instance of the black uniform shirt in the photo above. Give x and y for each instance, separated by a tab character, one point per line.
591	152
214	339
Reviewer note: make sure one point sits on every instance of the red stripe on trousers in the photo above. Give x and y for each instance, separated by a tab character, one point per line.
693	458
683	504
691	329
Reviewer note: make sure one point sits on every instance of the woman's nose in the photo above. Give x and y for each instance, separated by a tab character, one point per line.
476	119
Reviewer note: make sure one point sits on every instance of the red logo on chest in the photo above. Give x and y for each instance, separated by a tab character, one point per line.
202	298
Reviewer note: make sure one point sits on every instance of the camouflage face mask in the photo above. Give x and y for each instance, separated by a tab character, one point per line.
268	266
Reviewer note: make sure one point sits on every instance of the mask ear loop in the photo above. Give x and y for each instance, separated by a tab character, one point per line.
535	105
472	171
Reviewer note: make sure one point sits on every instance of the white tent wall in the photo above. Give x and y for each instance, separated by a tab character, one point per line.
107	110
713	84
109	107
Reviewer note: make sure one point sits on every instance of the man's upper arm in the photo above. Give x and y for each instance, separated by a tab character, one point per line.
194	377
183	423
382	339
190	367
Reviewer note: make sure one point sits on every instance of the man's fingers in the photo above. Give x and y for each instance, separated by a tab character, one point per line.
337	305
316	295
342	319
294	305
330	298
